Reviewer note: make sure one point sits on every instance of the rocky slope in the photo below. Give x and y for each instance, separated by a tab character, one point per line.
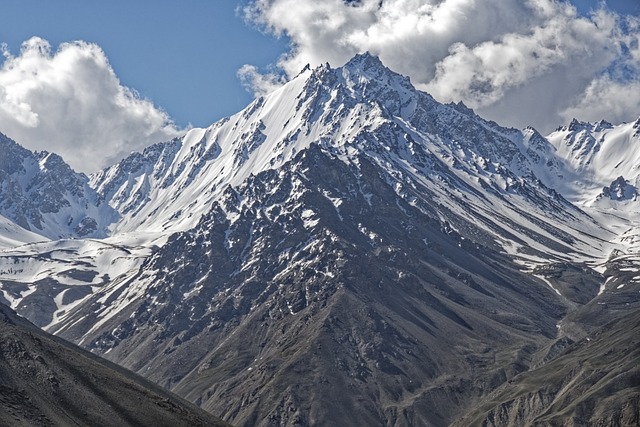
594	382
45	381
276	304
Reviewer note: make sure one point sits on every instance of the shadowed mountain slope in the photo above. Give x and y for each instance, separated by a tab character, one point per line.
594	382
45	381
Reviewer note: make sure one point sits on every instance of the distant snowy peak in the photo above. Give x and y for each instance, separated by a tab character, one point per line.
595	155
41	193
590	145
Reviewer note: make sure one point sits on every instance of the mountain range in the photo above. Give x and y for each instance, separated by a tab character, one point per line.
347	251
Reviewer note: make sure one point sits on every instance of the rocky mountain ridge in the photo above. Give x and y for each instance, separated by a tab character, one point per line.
42	194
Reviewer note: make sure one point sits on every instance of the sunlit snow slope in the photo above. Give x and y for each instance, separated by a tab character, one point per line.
362	107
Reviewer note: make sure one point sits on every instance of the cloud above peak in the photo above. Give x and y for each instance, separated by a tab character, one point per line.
72	103
486	53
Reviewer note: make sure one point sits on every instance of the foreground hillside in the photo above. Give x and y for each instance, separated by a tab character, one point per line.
45	381
595	382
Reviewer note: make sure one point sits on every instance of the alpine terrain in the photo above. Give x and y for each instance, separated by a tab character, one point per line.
347	251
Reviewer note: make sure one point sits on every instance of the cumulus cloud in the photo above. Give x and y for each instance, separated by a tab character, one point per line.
487	53
259	83
71	102
607	98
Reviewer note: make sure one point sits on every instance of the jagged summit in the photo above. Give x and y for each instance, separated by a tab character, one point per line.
365	59
42	194
309	109
366	66
335	108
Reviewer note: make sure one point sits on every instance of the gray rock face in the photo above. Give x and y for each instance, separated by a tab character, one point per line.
594	382
619	190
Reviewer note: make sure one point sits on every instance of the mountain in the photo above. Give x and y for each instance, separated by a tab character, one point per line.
42	194
604	156
363	107
354	301
46	381
346	250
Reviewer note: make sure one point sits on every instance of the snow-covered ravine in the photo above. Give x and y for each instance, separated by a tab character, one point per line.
68	271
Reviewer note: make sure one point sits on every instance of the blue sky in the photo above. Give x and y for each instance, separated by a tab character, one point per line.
183	55
182	58
621	6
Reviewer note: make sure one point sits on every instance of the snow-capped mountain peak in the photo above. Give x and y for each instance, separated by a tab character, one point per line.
595	155
360	110
41	193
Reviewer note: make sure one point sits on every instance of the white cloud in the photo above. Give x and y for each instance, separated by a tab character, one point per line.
607	98
615	94
259	83
486	53
71	102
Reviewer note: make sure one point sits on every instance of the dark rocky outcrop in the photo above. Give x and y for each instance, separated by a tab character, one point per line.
45	381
